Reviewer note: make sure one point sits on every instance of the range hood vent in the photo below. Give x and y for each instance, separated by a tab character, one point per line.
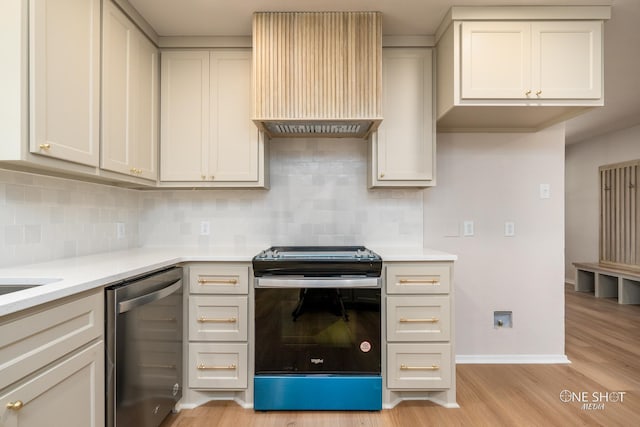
317	74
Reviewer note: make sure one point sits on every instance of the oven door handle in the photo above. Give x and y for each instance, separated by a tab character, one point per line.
289	282
132	303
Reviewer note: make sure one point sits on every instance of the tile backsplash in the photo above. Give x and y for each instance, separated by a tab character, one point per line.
318	195
44	218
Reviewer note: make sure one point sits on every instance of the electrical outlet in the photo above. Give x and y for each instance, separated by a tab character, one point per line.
509	229
468	228
121	231
502	319
205	228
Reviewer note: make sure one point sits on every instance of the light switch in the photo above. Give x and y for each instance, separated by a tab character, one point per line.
468	228
509	228
545	191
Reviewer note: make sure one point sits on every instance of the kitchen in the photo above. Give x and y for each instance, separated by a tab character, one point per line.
318	195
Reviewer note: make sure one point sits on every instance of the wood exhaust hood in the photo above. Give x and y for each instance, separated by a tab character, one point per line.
317	74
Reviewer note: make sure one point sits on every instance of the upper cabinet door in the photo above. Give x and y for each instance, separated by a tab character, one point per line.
129	98
495	60
567	59
116	90
64	39
146	108
234	137
184	116
403	147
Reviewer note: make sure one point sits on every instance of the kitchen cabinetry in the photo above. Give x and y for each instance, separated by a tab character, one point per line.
531	61
53	364
129	97
548	62
207	136
218	326
402	151
51	78
419	329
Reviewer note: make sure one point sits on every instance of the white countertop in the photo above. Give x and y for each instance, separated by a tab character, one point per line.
74	275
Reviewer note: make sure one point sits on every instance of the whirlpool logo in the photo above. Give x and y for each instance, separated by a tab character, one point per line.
317	361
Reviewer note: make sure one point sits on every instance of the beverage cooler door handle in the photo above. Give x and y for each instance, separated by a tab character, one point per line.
132	303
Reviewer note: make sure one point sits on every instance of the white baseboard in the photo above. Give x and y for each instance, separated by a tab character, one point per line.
513	359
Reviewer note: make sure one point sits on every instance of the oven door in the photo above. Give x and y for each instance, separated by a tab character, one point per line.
317	330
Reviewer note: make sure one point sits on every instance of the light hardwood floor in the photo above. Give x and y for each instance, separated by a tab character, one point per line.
602	342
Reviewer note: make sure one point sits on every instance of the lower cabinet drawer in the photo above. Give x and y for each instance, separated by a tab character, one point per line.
212	278
36	338
218	365
418	318
418	278
418	366
217	318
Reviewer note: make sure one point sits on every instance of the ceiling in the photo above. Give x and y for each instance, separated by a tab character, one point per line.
422	17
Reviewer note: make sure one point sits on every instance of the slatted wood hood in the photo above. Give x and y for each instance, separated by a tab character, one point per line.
317	73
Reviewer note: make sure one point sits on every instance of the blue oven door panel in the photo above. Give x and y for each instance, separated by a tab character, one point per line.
318	392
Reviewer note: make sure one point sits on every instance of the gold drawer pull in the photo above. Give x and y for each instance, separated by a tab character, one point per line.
204	367
420	368
218	281
430	282
44	146
209	320
429	320
154	366
15	406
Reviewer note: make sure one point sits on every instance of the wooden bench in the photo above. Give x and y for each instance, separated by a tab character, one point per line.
607	281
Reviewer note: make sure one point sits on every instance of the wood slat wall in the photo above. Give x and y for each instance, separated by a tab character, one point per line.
317	65
619	214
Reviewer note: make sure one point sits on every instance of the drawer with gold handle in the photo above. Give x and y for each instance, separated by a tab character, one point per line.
413	366
219	278
418	318
418	277
218	318
218	365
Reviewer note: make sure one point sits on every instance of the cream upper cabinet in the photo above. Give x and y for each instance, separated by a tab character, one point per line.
64	89
129	98
546	61
402	150
207	136
531	61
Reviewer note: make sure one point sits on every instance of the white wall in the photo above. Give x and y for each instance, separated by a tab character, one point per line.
582	200
490	179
